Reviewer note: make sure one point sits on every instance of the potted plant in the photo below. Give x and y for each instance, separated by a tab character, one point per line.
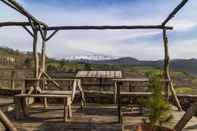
159	110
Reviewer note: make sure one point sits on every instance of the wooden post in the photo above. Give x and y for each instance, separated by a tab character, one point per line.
66	109
166	64
12	79
118	102
186	117
43	69
82	93
74	89
130	90
44	51
36	56
115	92
6	122
167	72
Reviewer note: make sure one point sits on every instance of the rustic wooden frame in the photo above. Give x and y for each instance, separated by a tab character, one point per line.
38	26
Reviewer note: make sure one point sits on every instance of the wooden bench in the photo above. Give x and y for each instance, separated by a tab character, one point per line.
21	106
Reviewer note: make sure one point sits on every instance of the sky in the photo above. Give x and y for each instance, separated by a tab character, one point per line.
141	44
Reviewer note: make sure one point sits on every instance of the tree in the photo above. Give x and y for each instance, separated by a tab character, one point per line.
160	109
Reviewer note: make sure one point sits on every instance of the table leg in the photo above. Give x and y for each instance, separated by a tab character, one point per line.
66	110
69	111
65	113
24	107
45	102
118	103
101	83
17	108
115	93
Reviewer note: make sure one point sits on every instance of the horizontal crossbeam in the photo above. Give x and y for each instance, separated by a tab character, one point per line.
86	27
109	27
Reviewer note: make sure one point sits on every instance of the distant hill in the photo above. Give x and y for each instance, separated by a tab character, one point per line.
183	65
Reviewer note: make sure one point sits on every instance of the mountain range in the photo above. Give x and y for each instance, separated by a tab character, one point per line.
184	65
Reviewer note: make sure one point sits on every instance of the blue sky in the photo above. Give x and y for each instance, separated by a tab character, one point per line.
142	44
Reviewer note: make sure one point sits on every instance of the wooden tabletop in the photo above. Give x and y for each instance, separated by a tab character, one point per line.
99	74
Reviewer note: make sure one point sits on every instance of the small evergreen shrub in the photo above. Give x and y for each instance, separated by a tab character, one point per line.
159	108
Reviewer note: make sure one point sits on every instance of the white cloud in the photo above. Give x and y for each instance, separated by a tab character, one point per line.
184	49
102	42
183	24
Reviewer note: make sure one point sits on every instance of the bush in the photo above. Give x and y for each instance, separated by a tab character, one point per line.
159	108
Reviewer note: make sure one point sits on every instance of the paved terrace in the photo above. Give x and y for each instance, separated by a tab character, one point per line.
92	118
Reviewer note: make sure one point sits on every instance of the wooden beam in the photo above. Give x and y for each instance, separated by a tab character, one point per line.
51	35
12	6
28	30
9	23
174	12
186	117
167	70
6	122
24	12
87	27
109	27
53	81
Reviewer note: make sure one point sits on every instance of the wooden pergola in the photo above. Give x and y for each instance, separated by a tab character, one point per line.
35	27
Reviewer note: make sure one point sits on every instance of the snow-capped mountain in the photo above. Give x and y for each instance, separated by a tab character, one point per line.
90	57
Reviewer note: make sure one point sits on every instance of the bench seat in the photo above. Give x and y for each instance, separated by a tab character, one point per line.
21	104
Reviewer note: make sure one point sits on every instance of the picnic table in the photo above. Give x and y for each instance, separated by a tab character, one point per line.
118	83
101	75
141	81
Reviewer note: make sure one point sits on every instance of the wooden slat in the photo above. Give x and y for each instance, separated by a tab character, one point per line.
43	95
55	92
99	74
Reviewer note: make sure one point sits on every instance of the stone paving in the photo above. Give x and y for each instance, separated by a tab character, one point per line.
93	118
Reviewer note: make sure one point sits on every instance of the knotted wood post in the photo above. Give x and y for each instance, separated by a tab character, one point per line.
36	56
169	84
43	62
44	51
166	64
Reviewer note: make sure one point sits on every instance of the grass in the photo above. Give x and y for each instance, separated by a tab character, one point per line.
184	90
